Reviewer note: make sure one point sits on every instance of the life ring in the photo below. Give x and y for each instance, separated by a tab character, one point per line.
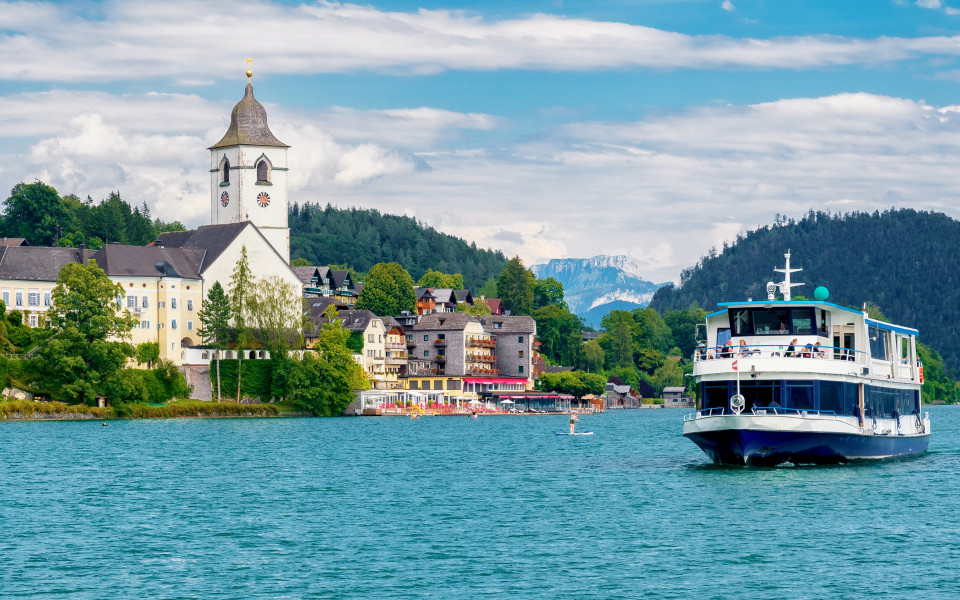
737	402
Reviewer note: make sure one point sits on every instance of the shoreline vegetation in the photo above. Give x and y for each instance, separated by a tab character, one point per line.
31	410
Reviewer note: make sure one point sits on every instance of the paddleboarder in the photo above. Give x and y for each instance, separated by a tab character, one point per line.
573	422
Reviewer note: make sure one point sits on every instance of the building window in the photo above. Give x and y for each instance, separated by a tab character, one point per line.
369	337
520	339
131	301
6	298
145	302
426	338
46	298
19	298
426	353
173	302
225	171
33	299
520	354
189	304
161	304
263	172
173	324
159	325
33	320
520	369
190	325
144	324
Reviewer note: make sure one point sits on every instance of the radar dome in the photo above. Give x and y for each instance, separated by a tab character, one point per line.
821	294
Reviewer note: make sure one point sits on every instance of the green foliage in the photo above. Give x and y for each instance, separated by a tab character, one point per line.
889	258
937	386
355	342
26	408
78	362
387	290
276	307
437	280
479	308
559	333
148	353
683	326
35	211
546	292
147	386
323	383
300	262
618	341
256	381
487	290
515	287
363	238
593	356
667	375
215	318
575	383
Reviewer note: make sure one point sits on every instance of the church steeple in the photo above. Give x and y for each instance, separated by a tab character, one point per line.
248	171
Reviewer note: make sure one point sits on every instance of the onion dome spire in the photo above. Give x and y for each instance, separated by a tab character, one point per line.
248	122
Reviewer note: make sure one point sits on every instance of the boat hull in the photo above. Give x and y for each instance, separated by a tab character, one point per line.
767	448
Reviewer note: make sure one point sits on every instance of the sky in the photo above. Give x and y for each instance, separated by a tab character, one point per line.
546	129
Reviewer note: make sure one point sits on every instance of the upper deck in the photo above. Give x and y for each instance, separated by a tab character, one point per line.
804	339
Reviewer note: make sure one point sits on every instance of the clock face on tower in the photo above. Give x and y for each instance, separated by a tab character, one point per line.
263	199
224	199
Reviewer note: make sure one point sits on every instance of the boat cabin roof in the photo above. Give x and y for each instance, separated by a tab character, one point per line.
813	304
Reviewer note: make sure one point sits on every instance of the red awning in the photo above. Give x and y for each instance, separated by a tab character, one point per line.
492	380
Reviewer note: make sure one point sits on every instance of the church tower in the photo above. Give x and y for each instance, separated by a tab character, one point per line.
248	174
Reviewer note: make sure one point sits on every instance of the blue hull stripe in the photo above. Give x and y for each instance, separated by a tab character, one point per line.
745	447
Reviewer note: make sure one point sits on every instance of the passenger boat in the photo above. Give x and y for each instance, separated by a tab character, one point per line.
804	381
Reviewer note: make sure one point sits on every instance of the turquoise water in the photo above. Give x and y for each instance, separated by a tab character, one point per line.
497	507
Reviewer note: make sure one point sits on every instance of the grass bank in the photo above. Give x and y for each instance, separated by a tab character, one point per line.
29	410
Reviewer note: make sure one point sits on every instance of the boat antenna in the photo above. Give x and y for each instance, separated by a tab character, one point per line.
786	285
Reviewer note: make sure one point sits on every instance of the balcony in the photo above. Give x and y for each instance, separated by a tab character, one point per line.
440	342
440	358
482	372
481	343
411	343
482	358
397	345
396	360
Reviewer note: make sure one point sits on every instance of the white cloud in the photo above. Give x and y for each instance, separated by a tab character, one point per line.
935	4
728	6
143	40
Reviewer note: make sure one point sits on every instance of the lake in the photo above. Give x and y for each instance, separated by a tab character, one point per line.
443	507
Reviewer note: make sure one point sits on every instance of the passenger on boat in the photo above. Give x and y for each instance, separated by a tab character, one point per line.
792	348
817	351
702	353
743	350
727	351
808	350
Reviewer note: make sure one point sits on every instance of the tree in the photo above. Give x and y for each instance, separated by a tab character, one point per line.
559	333
89	347
668	375
277	313
593	356
34	211
515	287
479	308
241	289
323	383
546	292
619	326
148	353
300	262
437	280
387	290
488	289
215	324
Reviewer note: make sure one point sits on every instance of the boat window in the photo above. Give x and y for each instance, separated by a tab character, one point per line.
799	395
879	402
760	394
722	336
879	341
803	321
770	322
831	397
905	348
714	395
740	322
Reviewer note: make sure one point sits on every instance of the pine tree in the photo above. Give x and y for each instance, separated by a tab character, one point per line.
215	323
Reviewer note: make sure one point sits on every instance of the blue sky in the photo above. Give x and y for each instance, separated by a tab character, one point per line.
654	129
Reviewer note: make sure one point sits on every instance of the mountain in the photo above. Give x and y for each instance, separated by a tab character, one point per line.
594	286
362	238
904	261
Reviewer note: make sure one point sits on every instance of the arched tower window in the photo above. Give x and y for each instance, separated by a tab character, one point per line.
225	170
263	172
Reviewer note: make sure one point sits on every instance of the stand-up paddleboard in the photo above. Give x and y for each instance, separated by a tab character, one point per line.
577	433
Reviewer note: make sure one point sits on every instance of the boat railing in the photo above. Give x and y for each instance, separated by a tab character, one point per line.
762	411
779	351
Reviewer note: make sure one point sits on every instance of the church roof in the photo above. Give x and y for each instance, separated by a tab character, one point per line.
35	263
212	238
149	261
248	125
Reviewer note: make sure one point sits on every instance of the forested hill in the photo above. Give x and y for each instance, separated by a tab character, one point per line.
362	238
904	261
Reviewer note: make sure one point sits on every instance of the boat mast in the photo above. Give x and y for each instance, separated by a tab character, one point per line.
785	285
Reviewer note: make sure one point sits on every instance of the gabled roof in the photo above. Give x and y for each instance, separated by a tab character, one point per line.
36	263
248	125
212	238
509	324
464	296
149	261
339	276
358	287
354	320
444	296
389	324
444	321
494	304
423	292
13	242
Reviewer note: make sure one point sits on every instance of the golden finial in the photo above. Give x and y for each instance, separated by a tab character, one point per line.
249	70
